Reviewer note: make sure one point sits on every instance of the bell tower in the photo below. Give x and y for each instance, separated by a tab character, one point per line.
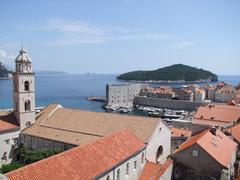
24	90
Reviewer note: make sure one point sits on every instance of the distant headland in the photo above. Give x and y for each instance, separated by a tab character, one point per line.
4	72
174	73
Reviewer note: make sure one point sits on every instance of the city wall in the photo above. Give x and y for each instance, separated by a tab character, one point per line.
167	104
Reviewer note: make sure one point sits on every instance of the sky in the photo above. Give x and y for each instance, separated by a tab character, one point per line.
112	37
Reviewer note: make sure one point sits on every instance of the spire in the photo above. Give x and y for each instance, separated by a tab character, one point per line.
22	50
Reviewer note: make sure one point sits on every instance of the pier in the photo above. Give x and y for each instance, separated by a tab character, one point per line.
97	98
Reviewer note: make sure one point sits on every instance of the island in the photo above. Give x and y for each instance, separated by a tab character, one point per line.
173	73
4	72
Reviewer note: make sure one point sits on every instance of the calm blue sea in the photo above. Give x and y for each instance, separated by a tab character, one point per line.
72	90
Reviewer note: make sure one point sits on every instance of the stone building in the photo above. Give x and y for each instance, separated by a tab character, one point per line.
210	93
199	94
23	115
118	156
65	128
9	133
225	93
162	92
209	154
122	95
184	94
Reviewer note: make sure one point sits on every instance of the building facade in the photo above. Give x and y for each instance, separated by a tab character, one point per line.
201	157
9	134
225	93
199	94
122	95
99	159
184	94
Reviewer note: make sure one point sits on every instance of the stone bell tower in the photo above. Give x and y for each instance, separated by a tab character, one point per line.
24	90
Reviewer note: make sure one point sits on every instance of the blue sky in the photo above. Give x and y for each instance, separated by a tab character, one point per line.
111	36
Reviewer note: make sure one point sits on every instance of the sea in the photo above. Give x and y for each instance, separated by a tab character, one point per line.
72	90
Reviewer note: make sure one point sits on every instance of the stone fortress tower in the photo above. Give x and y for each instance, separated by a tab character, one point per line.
24	90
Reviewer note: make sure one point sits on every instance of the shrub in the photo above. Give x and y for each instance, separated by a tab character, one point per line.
10	167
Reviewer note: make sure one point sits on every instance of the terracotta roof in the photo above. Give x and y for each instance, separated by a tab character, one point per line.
215	114
81	127
235	132
219	146
180	132
83	162
8	121
153	171
163	90
200	91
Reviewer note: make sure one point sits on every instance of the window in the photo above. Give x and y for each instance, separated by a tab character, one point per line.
135	164
195	153
7	141
28	123
26	86
27	105
142	159
15	141
159	153
160	129
118	174
4	157
108	177
127	169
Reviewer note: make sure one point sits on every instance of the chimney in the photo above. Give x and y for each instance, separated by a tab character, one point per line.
213	130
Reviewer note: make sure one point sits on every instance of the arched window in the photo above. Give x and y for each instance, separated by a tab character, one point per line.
127	169
108	177
26	86
27	105
159	153
118	174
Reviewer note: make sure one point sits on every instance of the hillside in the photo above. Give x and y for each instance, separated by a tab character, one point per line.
176	72
3	71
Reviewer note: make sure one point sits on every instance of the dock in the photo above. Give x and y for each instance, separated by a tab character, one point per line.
97	98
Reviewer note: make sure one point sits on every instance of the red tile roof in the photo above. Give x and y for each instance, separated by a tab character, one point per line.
219	146
8	122
235	132
217	115
180	132
153	171
83	162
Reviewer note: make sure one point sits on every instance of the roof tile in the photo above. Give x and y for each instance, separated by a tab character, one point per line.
83	162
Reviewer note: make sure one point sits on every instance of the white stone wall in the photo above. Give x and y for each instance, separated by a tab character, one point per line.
34	143
225	94
7	148
133	174
21	96
200	96
160	137
167	174
122	95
